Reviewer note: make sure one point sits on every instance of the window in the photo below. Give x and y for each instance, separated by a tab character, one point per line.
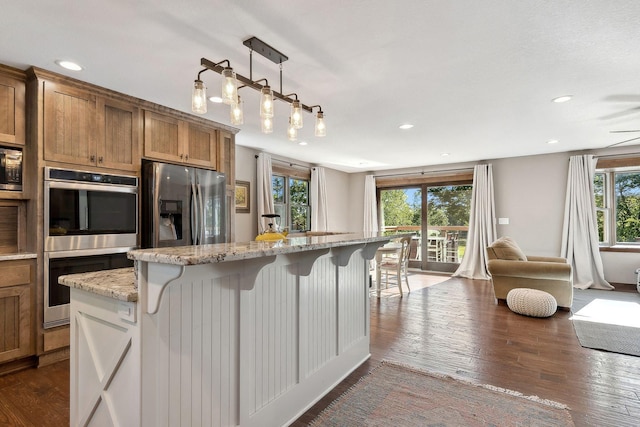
291	202
617	199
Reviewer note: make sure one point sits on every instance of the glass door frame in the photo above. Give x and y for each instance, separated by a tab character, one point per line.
424	263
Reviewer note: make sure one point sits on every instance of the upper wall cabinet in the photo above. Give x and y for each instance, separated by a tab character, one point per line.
84	129
12	107
172	139
69	124
118	130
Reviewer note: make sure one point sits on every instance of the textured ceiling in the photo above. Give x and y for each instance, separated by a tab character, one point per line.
475	78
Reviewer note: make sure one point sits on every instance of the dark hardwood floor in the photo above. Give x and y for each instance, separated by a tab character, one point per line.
454	328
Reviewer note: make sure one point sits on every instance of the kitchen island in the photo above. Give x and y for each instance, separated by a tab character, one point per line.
248	334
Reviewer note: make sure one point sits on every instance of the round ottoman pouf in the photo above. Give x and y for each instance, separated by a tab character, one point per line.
531	302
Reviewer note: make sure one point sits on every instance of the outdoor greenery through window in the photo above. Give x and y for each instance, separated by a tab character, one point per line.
617	199
447	210
291	202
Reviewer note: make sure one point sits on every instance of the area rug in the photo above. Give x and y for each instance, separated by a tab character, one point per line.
397	395
607	320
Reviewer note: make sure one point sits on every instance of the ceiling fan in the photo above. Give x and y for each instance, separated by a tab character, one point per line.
626	140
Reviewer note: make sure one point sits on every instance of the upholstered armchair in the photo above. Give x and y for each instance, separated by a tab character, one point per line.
510	268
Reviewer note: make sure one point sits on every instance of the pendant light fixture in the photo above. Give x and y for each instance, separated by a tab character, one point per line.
237	113
199	97
229	86
229	92
296	114
267	124
292	131
266	102
321	128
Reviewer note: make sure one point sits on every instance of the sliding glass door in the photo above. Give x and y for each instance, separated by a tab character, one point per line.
438	214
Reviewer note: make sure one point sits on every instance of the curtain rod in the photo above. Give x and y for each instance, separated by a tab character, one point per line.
619	156
288	163
425	172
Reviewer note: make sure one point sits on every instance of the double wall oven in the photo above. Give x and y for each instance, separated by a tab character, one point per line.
91	221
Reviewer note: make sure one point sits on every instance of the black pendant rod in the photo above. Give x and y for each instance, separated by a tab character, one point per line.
250	83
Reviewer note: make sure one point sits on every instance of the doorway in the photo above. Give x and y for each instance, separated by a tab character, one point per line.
438	214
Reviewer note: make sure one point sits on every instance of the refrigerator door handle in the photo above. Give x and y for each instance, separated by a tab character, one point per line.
201	234
195	223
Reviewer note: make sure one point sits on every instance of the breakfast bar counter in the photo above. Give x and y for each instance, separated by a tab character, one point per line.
248	334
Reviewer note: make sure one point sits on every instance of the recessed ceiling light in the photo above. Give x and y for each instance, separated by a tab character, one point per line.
302	143
215	99
406	126
444	154
563	98
69	65
552	141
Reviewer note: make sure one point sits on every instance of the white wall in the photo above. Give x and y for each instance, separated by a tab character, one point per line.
338	200
530	191
247	223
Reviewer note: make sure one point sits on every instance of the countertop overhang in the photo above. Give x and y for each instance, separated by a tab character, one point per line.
225	252
120	284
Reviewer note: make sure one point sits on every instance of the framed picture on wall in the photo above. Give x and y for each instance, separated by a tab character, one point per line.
243	197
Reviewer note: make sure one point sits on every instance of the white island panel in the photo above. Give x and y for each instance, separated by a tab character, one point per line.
105	361
253	342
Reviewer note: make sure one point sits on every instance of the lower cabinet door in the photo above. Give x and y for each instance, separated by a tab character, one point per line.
15	322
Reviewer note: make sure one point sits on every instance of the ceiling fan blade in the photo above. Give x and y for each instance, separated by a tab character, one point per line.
624	131
622	142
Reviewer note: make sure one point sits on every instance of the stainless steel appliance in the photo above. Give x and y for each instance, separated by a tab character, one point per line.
56	296
10	169
91	221
88	210
182	206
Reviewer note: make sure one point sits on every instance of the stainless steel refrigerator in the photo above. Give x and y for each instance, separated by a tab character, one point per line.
182	205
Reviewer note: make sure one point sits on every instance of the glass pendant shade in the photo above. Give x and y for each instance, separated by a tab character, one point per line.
229	86
292	132
266	102
321	129
267	124
199	97
237	113
296	114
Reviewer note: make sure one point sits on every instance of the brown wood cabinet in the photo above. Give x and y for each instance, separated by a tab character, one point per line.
16	309
118	130
171	139
69	124
12	106
84	129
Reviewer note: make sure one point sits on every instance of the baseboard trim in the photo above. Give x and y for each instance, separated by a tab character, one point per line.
18	365
53	357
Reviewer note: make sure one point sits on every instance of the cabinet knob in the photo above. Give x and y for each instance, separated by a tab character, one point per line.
92	158
100	159
186	157
181	156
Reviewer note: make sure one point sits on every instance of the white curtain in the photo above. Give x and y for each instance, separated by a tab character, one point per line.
579	232
265	193
370	205
319	208
482	228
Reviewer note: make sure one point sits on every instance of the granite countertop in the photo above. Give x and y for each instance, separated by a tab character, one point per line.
118	284
206	254
20	255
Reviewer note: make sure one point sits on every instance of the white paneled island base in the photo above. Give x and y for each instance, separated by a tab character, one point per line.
253	337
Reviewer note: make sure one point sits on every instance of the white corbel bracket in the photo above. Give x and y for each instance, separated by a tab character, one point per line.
369	251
